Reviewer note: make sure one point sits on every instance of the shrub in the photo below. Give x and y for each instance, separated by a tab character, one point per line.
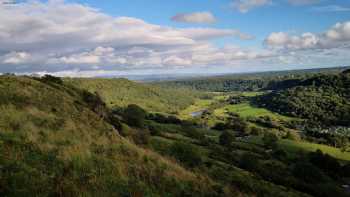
192	132
135	116
141	137
292	136
51	79
226	139
95	103
326	162
154	130
249	161
237	123
186	154
220	126
256	131
160	118
270	140
308	172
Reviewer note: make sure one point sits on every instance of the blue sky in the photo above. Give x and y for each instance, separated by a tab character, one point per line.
93	38
260	22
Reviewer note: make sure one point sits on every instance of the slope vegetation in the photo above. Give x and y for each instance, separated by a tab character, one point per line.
56	141
122	92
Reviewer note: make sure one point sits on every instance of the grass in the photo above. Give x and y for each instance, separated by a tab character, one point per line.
244	109
295	147
72	151
247	110
122	92
199	104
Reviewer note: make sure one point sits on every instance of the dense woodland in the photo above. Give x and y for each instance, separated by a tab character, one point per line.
323	99
113	137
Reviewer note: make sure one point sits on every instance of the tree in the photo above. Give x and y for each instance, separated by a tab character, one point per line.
226	139
51	79
270	140
346	71
135	116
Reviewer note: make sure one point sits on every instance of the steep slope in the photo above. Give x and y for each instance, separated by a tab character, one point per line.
122	92
53	143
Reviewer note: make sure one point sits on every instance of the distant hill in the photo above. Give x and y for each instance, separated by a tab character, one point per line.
322	98
122	92
248	81
56	140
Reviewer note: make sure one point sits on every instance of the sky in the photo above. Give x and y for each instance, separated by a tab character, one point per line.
94	38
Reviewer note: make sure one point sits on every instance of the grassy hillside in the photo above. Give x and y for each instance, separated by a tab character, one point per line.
122	92
54	143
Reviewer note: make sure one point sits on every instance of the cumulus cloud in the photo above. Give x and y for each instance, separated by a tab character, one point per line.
57	36
284	40
246	5
337	36
195	17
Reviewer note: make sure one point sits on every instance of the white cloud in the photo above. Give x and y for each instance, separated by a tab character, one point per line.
331	8
210	33
7	2
57	36
284	40
16	58
177	61
70	39
303	2
246	5
337	36
195	17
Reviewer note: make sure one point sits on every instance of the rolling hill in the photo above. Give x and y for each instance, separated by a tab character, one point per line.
55	140
122	92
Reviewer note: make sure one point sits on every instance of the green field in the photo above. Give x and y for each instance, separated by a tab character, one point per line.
296	147
293	146
199	104
247	110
